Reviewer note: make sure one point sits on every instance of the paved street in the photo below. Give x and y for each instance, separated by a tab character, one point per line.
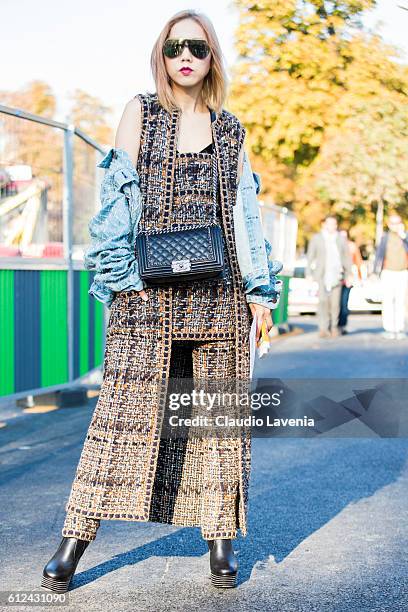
328	518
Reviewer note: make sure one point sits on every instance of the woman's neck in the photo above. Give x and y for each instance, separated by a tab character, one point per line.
189	101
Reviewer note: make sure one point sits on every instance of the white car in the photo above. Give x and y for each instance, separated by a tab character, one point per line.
365	295
303	293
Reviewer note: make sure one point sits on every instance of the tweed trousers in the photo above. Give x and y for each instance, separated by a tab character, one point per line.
215	511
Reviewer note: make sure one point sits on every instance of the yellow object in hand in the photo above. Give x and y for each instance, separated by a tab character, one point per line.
264	339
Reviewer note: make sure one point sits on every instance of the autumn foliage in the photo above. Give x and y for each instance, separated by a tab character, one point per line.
324	104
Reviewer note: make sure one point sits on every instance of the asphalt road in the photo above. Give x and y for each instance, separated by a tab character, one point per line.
328	516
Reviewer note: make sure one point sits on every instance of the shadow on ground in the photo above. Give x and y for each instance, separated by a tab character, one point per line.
294	503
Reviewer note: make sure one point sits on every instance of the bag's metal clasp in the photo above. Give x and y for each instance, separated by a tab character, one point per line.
181	265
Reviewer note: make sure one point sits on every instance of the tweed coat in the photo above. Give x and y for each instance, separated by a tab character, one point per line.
117	467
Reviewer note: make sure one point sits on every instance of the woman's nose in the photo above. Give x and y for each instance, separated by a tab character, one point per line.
186	53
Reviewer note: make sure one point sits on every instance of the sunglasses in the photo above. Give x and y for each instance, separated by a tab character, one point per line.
173	47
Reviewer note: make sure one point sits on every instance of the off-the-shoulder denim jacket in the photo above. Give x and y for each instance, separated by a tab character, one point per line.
112	230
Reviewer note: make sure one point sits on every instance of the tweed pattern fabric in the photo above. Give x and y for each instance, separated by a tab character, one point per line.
127	470
201	309
188	490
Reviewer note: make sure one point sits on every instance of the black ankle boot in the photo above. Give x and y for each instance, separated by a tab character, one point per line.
223	563
61	567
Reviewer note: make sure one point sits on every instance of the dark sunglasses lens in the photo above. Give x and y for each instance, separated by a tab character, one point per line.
171	48
199	48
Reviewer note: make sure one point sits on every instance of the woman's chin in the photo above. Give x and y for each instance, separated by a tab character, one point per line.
185	81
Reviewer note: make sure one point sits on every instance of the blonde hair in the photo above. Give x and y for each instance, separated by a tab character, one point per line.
214	89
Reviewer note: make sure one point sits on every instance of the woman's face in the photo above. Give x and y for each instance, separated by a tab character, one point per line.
187	28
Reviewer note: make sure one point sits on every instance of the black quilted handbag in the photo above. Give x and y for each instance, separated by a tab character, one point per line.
182	253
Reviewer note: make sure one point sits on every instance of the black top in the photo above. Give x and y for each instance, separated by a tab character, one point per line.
208	148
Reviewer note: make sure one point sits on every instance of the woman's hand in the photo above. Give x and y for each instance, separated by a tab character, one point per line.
143	295
262	314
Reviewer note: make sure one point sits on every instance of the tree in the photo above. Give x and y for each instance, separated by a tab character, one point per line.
26	138
42	148
363	169
89	114
304	68
36	97
37	145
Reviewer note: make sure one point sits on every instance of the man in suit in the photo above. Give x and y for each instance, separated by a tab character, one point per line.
391	263
329	263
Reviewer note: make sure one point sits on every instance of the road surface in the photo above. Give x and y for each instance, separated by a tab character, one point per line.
328	518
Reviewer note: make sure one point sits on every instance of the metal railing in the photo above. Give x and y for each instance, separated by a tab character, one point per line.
49	190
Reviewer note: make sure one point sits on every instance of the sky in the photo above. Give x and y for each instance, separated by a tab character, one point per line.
103	46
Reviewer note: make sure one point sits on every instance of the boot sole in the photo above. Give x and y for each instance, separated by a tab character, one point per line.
58	586
224	581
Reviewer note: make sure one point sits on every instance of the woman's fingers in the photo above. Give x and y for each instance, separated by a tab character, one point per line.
269	321
143	294
262	314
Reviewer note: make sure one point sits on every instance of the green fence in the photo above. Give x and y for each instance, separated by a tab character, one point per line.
34	329
280	314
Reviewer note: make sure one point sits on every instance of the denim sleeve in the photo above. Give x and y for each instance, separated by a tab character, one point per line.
111	253
268	295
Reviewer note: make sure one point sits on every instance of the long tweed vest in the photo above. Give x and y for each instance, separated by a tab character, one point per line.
156	171
118	462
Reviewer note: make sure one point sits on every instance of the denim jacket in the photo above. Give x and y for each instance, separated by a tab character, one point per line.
112	230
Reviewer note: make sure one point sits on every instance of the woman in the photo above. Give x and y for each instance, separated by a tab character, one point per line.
127	470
